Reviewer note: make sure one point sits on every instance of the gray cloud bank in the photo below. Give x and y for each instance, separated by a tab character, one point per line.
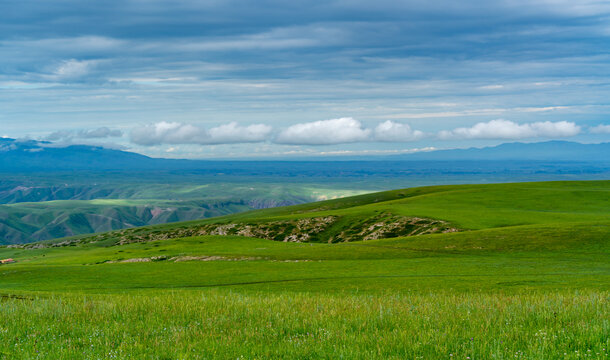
446	66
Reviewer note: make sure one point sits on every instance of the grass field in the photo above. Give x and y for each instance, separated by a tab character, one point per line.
527	276
234	325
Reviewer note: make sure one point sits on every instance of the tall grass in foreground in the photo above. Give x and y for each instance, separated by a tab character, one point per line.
221	324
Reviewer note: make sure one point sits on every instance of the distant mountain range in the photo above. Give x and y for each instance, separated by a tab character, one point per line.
31	155
48	191
540	151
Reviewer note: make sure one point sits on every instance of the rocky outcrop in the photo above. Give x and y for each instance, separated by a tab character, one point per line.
299	230
386	226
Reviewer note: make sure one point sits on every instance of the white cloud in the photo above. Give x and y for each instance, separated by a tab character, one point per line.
600	129
69	44
278	38
99	133
233	133
179	133
167	133
324	132
504	129
102	132
72	69
60	135
555	129
375	152
391	131
492	87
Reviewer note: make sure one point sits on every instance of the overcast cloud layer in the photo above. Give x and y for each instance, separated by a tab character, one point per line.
274	77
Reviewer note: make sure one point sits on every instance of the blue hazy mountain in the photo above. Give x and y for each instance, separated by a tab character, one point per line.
31	155
39	156
540	151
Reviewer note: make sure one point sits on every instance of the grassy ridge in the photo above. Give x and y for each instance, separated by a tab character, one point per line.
556	247
529	277
468	207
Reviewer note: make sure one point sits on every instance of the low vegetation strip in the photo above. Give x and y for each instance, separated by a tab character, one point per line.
182	258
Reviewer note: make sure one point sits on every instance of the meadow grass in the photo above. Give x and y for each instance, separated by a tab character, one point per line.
528	278
234	325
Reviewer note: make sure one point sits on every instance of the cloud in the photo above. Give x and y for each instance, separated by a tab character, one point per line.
358	58
99	133
167	133
390	131
60	135
504	129
179	133
278	38
233	133
71	70
600	129
324	132
102	132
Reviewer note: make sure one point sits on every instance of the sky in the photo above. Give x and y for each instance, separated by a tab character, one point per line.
244	79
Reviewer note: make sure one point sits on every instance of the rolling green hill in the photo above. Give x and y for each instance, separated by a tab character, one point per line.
484	271
30	214
43	205
423	210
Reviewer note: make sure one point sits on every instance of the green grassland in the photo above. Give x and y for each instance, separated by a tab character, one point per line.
43	205
526	276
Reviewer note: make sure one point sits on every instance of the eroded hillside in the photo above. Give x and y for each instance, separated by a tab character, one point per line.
330	229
